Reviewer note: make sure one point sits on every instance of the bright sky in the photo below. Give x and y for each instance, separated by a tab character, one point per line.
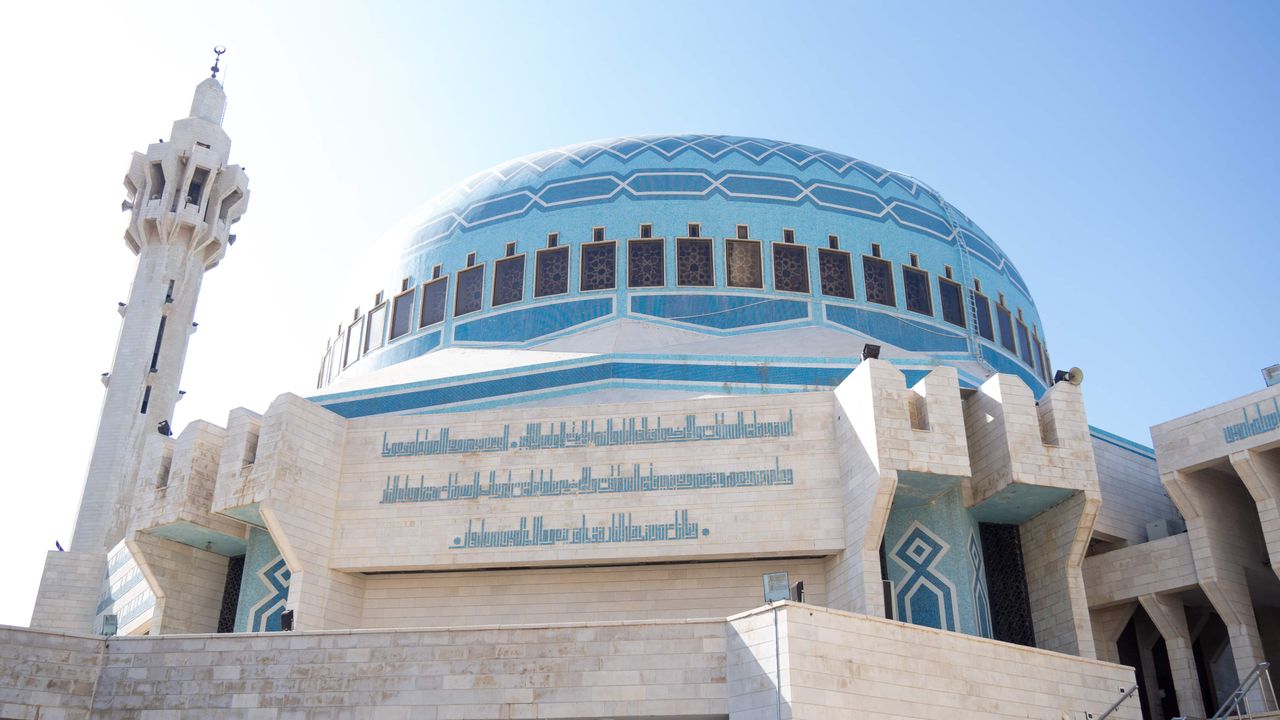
1123	154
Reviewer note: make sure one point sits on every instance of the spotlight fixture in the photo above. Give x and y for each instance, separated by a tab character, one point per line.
870	352
125	205
163	428
1075	376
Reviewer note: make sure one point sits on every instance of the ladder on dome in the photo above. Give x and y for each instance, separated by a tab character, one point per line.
966	277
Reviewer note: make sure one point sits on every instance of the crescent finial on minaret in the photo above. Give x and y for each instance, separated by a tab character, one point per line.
217	57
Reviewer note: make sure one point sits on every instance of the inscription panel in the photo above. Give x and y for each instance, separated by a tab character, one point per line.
728	477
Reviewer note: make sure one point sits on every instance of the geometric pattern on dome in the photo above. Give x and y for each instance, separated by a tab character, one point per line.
748	186
712	147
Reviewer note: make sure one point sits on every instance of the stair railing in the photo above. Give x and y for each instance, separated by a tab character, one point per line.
1126	694
1259	676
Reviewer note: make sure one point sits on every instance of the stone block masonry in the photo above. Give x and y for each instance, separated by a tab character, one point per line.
833	664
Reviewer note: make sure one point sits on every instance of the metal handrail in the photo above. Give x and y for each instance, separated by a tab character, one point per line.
1114	705
1240	695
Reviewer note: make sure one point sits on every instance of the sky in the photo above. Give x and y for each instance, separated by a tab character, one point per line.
1123	154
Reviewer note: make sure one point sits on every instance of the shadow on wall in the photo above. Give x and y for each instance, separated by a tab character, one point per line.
756	666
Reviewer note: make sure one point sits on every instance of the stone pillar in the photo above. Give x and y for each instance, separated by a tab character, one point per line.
1108	624
188	584
883	428
1260	472
1170	618
1022	448
1222	527
1053	548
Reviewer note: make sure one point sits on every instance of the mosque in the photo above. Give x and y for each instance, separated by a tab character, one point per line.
687	426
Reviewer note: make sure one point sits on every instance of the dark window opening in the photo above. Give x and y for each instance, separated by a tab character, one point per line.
597	234
694	264
790	267
376	327
470	291
1039	356
195	193
1007	584
743	232
551	272
231	595
788	235
743	264
982	308
833	242
695	230
351	351
155	353
157	181
434	301
835	271
877	275
1006	327
146	400
553	239
471	259
402	313
951	297
508	280
599	266
915	259
436	271
646	230
915	286
646	266
511	249
875	249
1024	344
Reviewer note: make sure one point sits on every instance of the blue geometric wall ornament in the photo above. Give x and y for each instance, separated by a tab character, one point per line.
264	615
924	596
981	608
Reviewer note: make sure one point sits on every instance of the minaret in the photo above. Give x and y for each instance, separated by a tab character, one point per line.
183	198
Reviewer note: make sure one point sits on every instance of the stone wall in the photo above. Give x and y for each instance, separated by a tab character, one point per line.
604	594
833	664
839	665
1132	495
47	675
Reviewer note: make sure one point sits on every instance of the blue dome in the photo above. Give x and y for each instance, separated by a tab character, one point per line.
739	252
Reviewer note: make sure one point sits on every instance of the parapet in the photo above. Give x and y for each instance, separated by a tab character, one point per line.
1026	456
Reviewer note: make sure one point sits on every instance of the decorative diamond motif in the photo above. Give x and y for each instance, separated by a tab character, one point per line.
924	596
